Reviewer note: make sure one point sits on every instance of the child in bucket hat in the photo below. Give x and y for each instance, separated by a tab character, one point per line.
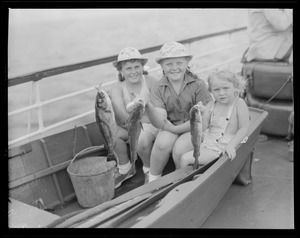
172	49
170	102
129	53
133	84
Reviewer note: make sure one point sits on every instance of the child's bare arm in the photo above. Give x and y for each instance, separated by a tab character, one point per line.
243	122
206	116
118	104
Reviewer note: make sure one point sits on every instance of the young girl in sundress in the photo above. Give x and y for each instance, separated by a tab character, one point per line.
225	120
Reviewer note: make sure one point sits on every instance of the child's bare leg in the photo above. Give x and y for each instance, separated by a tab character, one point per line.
120	146
187	159
161	151
207	155
182	145
145	144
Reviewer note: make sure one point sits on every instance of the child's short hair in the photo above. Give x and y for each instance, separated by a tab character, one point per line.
230	75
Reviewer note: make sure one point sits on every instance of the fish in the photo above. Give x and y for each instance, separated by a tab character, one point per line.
196	131
105	119
134	127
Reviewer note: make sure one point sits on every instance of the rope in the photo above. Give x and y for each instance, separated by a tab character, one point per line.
75	141
279	90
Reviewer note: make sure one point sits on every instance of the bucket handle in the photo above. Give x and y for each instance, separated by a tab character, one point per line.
84	150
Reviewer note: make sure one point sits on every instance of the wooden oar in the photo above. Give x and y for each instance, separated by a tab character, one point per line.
62	219
118	211
113	211
163	181
112	223
155	197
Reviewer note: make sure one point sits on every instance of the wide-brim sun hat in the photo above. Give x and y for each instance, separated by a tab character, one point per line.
129	53
172	49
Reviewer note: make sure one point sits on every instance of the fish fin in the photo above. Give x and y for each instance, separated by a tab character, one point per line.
98	87
116	158
127	121
112	156
108	110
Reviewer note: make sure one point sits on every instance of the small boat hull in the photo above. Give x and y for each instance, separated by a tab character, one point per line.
190	209
199	198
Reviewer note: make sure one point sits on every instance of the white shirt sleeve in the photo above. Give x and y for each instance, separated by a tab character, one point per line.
280	19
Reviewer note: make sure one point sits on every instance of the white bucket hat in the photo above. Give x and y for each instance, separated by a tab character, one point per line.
128	54
172	49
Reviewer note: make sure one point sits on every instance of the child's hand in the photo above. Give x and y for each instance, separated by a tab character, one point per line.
124	126
202	107
146	99
130	107
230	151
168	126
138	98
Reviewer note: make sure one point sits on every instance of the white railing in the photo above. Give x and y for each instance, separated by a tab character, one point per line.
40	104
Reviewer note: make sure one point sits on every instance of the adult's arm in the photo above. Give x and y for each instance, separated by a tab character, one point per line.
280	19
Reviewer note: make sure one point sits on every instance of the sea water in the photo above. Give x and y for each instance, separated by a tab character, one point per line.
45	38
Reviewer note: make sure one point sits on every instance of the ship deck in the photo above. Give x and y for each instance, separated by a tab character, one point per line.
266	203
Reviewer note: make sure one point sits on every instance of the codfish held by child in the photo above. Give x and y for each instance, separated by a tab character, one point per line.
105	118
135	127
196	131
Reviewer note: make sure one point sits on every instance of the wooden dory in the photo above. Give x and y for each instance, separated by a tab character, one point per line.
184	203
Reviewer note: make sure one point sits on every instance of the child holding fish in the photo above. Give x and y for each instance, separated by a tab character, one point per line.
170	102
226	119
128	100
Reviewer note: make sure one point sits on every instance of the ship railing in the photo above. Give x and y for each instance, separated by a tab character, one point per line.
35	78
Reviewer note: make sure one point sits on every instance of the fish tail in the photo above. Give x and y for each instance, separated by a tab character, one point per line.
112	156
196	164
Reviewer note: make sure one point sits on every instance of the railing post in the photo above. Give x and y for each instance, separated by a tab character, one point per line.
32	89
39	109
